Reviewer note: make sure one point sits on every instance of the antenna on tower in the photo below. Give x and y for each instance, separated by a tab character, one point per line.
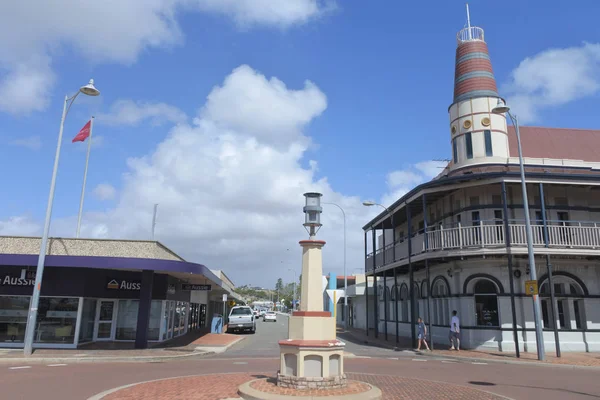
468	21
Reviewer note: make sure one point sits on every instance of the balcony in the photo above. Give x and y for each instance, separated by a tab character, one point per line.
487	235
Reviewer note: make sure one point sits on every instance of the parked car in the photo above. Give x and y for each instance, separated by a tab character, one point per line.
241	318
270	316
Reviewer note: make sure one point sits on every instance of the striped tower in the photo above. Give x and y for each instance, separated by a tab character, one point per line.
478	135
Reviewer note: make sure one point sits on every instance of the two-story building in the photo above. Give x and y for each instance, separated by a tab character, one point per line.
459	242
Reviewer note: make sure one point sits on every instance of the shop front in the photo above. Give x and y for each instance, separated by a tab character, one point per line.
82	305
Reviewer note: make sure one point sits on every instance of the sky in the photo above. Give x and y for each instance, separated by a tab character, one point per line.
224	112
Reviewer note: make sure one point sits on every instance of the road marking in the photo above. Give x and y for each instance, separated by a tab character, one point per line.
19	367
362	357
479	363
240	363
448	362
418	359
393	358
56	365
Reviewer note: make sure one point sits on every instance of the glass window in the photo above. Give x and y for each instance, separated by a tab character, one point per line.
469	142
455	151
166	321
13	318
88	317
56	320
486	303
488	143
127	319
154	324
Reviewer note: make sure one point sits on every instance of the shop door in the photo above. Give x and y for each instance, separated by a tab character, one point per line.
106	314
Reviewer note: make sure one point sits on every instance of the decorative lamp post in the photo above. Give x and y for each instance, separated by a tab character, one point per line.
312	333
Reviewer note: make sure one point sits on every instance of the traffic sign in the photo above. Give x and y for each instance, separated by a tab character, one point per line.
531	288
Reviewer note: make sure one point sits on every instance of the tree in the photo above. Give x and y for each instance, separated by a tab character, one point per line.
279	285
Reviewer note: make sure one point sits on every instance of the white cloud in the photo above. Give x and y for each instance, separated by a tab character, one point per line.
269	12
131	113
267	110
228	199
31	142
105	191
552	78
402	181
32	32
19	226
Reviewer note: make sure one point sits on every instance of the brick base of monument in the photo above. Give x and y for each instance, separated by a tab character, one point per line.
318	383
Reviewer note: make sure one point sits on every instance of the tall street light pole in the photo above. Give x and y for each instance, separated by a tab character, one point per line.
345	276
89	90
502	108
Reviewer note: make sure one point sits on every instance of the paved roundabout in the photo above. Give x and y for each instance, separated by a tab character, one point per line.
225	386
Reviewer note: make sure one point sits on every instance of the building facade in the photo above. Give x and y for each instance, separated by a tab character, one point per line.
459	242
104	290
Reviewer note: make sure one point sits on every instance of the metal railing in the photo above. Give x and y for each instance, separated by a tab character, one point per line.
490	234
470	34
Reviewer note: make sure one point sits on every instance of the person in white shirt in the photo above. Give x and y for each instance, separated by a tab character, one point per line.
454	331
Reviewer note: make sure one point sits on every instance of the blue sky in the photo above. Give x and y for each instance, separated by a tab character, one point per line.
386	71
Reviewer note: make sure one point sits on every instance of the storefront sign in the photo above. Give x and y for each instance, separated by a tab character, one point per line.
188	286
61	314
15	281
115	284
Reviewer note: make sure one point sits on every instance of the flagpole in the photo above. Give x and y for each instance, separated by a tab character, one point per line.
87	160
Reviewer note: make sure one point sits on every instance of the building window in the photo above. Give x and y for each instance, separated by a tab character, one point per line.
469	143
455	151
440	294
486	303
569	304
13	318
404	302
488	143
392	304
56	320
88	318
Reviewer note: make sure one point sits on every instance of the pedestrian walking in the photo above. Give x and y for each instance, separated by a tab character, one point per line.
454	331
422	334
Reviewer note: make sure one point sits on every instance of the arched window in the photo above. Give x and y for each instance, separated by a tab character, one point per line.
417	294
404	301
380	292
440	294
569	303
486	303
392	304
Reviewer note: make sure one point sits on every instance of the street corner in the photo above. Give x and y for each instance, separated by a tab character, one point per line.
227	386
217	343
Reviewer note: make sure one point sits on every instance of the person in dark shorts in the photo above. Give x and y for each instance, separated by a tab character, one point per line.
454	331
422	334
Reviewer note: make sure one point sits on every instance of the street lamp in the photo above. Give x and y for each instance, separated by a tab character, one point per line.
89	90
502	108
345	277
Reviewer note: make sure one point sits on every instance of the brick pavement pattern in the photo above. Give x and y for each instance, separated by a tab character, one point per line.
225	386
216	339
269	385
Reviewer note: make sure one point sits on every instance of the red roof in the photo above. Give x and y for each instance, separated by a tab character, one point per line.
557	143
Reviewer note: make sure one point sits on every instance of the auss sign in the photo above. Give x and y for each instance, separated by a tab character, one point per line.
188	286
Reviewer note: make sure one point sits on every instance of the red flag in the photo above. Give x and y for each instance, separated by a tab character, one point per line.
83	134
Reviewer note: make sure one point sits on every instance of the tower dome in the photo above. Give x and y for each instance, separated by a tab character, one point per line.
478	135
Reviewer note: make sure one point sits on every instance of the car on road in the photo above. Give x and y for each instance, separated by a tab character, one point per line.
270	316
241	318
262	314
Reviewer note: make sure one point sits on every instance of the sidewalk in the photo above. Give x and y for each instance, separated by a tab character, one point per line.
197	343
442	350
